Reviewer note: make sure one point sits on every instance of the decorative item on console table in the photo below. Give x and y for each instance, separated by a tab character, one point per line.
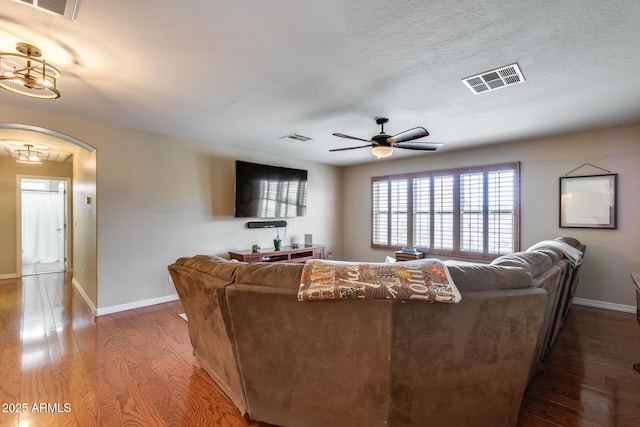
408	255
286	254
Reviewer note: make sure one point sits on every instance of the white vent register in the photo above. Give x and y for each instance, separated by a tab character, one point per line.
494	79
66	8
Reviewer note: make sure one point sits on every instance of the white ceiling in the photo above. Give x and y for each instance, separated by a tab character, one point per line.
244	72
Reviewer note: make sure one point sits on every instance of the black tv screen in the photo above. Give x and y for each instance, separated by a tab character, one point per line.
265	191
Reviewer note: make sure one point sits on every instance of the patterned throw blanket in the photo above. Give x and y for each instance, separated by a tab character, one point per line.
425	280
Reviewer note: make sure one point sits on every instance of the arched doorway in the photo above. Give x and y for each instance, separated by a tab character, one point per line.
82	211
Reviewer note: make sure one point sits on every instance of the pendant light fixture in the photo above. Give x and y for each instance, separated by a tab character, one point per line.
26	74
29	156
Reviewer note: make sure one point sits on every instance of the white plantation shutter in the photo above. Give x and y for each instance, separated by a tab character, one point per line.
399	212
471	212
467	212
380	213
443	212
502	211
422	212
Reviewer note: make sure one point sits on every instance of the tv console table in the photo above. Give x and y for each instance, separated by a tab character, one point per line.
286	254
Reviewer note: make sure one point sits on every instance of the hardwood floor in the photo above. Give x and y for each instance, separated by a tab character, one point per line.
59	366
589	379
132	368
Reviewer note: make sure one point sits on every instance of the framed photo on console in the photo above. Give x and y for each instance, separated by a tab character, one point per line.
588	201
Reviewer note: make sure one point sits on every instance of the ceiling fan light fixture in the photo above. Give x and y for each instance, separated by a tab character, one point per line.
382	145
381	151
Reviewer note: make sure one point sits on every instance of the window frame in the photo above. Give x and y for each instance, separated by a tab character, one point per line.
456	173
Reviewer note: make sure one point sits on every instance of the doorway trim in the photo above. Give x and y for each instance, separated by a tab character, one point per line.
53	133
67	228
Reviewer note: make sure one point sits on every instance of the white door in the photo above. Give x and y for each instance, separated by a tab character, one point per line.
43	216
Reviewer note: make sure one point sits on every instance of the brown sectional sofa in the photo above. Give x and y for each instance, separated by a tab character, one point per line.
374	362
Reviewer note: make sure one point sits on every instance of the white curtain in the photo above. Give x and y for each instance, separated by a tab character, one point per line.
42	227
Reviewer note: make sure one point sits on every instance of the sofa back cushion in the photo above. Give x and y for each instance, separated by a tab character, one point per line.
481	277
279	275
216	267
534	262
552	253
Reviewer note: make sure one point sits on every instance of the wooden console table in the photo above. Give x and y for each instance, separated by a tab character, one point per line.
636	280
287	254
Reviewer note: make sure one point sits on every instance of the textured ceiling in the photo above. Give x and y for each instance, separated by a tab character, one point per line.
248	72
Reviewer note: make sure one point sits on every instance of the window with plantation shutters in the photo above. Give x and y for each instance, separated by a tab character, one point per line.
470	212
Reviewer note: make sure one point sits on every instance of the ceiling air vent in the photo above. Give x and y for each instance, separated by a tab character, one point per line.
296	137
66	8
494	79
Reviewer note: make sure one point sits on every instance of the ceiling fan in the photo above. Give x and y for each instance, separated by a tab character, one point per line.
382	145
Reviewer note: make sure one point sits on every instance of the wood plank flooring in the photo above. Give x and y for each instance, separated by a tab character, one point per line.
60	367
589	379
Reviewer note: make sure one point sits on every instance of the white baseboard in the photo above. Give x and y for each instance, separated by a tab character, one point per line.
605	305
121	307
84	296
136	304
8	276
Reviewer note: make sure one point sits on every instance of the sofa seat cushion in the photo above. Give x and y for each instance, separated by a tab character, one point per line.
426	279
483	277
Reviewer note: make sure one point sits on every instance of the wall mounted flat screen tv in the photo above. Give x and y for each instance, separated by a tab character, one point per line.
265	191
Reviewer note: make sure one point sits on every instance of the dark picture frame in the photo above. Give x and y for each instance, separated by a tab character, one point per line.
589	201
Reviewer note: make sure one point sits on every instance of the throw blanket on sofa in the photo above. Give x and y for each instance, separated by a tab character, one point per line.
571	253
426	280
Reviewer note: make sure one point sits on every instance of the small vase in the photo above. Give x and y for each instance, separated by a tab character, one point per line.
277	243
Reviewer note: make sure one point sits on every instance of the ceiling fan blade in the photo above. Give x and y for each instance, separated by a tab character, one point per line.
342	135
419	145
408	135
351	148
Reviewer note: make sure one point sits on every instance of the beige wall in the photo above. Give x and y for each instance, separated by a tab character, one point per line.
160	197
611	254
169	198
9	170
85	262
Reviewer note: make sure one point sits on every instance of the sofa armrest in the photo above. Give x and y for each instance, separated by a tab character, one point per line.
201	285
